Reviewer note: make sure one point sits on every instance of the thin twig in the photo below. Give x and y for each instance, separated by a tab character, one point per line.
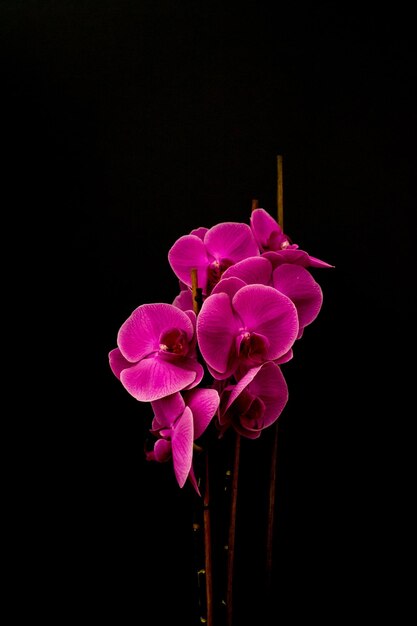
271	507
232	533
280	192
196	293
207	547
274	453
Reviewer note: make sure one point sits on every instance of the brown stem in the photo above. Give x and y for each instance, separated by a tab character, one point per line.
280	192
207	547
197	300
195	291
274	454
271	507
255	204
232	533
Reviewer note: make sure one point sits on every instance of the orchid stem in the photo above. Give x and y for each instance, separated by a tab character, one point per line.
207	547
271	507
280	192
197	301
232	533
274	453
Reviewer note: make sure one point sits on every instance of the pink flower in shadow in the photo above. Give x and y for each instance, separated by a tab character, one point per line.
211	252
178	422
156	353
254	402
276	245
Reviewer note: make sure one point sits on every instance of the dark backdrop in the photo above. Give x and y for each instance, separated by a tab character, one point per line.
131	124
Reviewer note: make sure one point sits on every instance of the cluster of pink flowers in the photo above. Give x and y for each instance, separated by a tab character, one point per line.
257	298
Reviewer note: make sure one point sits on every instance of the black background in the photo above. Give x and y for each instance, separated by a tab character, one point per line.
132	123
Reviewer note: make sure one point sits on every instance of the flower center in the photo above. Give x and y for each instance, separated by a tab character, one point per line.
174	342
252	347
215	271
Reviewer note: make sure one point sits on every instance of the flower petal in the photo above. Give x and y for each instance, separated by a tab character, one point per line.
197	368
285	357
231	240
295	257
254	270
166	410
153	378
187	253
217	327
229	286
203	404
271	387
193	480
117	362
263	225
182	446
199	232
162	450
140	334
184	300
299	285
317	262
268	312
240	386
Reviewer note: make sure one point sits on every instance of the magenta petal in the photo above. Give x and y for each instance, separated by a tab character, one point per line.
184	300
318	263
187	253
266	311
199	232
166	410
216	330
295	257
162	450
117	362
231	240
240	386
299	285
223	375
193	480
153	378
263	225
140	334
182	446
285	357
229	286
197	368
203	404
270	386
255	270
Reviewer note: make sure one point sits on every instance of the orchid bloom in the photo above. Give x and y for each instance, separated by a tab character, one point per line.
211	252
241	326
276	245
156	353
293	281
178	421
254	402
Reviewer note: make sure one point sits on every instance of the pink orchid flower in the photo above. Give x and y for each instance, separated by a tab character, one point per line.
254	402
293	281
276	245
211	252
178	422
243	326
156	353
